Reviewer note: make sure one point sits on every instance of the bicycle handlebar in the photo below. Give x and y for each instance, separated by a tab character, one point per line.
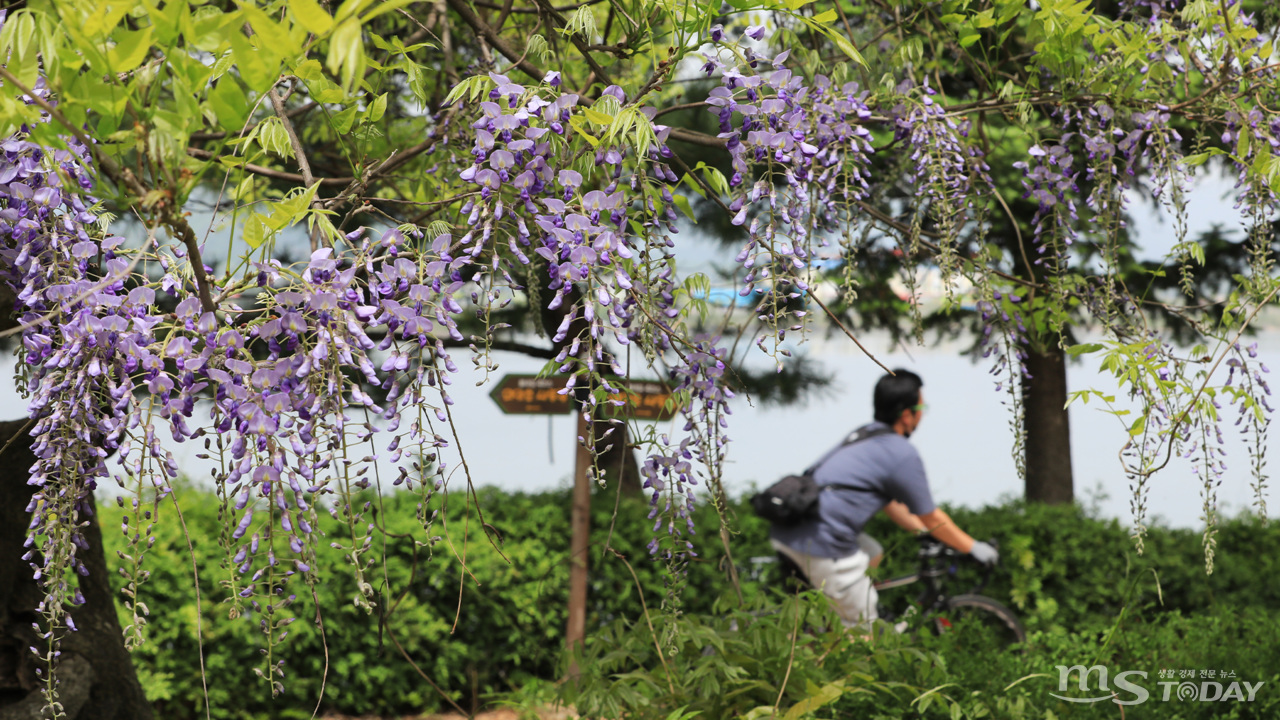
931	547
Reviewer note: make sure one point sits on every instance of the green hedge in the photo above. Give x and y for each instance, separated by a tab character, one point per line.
1063	568
1070	575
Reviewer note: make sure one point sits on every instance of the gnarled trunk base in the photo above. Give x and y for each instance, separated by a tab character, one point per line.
96	676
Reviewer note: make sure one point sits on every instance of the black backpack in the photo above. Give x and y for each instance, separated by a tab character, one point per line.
794	499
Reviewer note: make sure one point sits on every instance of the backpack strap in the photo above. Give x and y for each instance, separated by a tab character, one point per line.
866	432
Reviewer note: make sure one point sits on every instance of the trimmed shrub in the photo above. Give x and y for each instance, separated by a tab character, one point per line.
1069	575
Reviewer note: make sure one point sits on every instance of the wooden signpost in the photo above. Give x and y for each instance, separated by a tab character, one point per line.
533	395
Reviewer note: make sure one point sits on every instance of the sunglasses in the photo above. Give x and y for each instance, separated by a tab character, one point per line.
920	408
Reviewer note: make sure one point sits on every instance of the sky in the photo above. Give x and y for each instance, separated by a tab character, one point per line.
964	440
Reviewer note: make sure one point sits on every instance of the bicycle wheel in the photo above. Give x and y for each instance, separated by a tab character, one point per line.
977	620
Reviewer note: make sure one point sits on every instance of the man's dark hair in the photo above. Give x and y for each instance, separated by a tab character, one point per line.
895	393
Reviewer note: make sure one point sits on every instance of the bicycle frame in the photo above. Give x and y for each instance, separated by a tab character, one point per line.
937	564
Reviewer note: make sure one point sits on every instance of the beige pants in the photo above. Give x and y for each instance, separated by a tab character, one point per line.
844	580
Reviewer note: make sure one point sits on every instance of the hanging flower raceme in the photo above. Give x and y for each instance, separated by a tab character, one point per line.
88	338
592	220
276	392
942	164
1050	179
808	146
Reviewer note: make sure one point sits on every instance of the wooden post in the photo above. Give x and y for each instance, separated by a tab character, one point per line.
580	525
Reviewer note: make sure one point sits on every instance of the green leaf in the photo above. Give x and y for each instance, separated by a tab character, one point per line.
274	138
281	216
714	178
825	17
350	8
342	121
229	105
271	35
577	121
167	22
1201	158
311	16
598	118
320	219
385	7
104	20
131	47
827	694
1138	426
1242	145
377	109
683	203
693	184
291	209
309	71
469	88
255	231
1083	349
258	69
346	51
17	40
847	47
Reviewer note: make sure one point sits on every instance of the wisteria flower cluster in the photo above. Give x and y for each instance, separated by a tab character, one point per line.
535	201
799	151
949	172
302	383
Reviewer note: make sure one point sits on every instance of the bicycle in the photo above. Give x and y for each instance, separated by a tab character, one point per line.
943	613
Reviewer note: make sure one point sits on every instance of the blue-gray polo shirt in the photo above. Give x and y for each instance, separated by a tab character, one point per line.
877	470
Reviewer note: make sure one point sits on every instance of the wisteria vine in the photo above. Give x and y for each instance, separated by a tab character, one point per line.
302	382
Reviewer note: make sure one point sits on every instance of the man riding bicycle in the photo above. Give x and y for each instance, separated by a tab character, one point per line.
875	468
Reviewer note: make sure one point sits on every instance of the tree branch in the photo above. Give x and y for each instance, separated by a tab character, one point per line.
307	178
296	112
386	167
678	108
697	138
809	291
507	346
482	28
535	11
271	173
932	246
600	72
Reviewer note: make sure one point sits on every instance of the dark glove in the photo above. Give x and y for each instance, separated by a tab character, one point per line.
984	553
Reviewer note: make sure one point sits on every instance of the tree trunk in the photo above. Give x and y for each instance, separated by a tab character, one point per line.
96	676
1048	441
